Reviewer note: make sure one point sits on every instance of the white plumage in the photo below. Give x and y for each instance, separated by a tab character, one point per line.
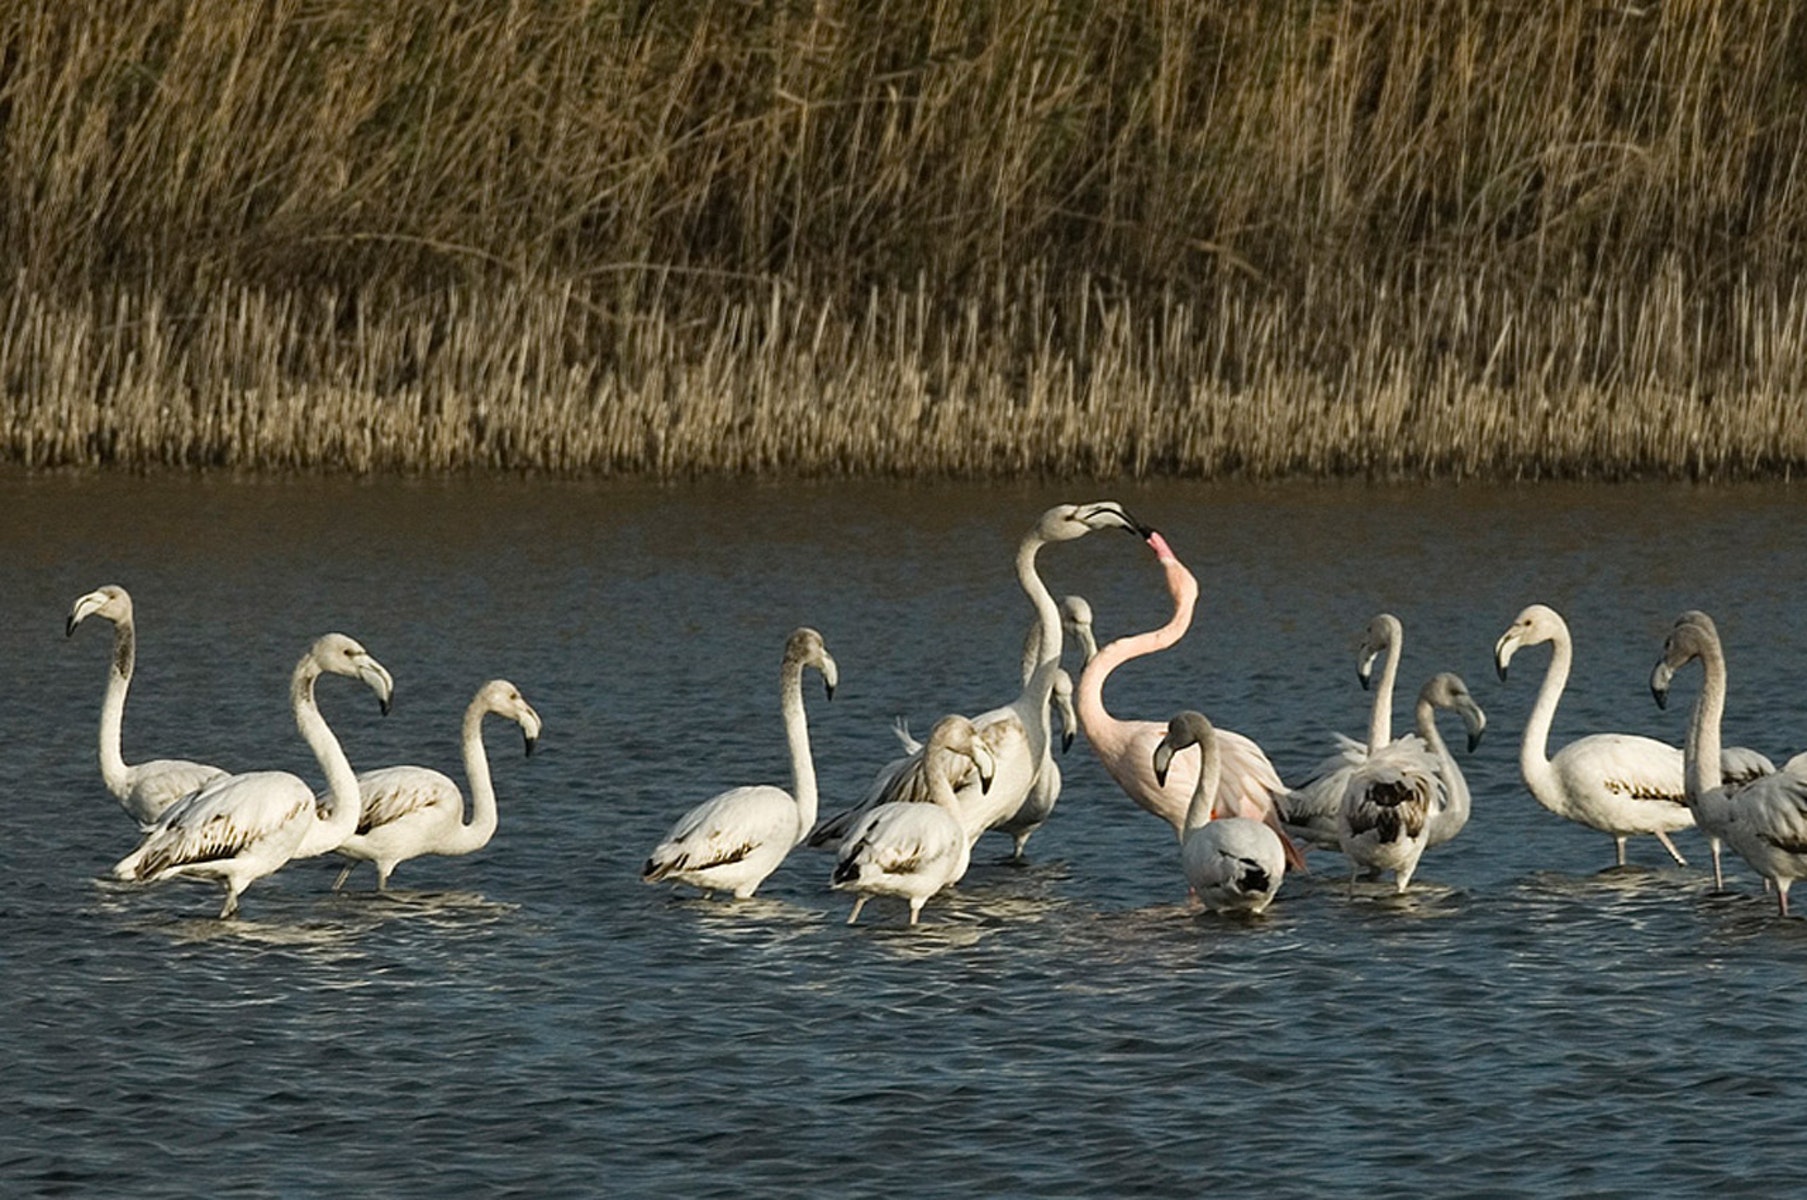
240	828
910	849
1309	811
1619	783
732	841
1234	864
1017	734
1765	819
149	788
408	811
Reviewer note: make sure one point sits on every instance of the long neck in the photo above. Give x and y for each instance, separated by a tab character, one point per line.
1533	757
1455	784
796	735
1380	717
1204	792
1032	650
1088	697
482	827
1040	684
941	785
112	708
340	779
1702	772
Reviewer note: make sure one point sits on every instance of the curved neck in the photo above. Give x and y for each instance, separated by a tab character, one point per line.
1455	784
1032	650
482	827
1210	770
1380	717
1701	760
341	781
112	708
1533	756
1033	700
1088	696
796	735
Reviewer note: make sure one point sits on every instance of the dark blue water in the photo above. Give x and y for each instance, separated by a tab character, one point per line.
533	1021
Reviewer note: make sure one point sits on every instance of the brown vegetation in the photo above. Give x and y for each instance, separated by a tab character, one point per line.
1397	237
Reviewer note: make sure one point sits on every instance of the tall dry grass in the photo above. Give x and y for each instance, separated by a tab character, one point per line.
1391	236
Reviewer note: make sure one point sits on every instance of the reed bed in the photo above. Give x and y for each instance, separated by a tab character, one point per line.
1381	237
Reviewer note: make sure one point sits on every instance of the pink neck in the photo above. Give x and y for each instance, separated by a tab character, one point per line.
1089	695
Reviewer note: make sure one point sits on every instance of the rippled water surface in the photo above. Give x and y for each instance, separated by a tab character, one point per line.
534	1021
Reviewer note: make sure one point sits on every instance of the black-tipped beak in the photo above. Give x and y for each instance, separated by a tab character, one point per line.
1474	739
385	703
1066	741
531	743
1499	669
829	688
984	784
69	627
1660	695
1363	678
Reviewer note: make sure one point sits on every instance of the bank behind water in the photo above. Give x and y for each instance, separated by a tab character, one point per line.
1031	380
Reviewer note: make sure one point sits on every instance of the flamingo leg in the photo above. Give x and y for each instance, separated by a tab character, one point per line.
1667	845
1718	873
1782	896
859	902
915	911
343	876
1620	843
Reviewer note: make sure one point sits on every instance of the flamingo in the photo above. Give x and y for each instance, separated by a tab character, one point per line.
911	849
1409	795
1765	819
732	841
1619	783
1248	785
410	811
1036	806
1234	864
145	790
1449	813
239	828
1309	811
1017	734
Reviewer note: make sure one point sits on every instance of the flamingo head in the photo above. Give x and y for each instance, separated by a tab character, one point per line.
1446	690
111	602
1183	730
1687	640
805	648
505	700
955	734
1538	623
1065	522
1382	632
337	654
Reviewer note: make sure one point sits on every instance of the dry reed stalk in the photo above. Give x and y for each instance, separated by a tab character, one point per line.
1369	236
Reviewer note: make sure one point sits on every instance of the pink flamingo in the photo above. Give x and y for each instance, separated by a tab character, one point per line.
1249	785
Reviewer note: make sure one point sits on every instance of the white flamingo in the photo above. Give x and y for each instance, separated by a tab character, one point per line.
1309	811
1449	812
1619	783
1248	785
1383	823
1764	820
240	828
733	840
411	811
145	790
1030	816
1234	864
1017	734
912	849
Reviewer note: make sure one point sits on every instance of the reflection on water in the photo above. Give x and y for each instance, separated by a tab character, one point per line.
533	1020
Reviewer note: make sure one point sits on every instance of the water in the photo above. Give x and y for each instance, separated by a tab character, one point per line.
533	1021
